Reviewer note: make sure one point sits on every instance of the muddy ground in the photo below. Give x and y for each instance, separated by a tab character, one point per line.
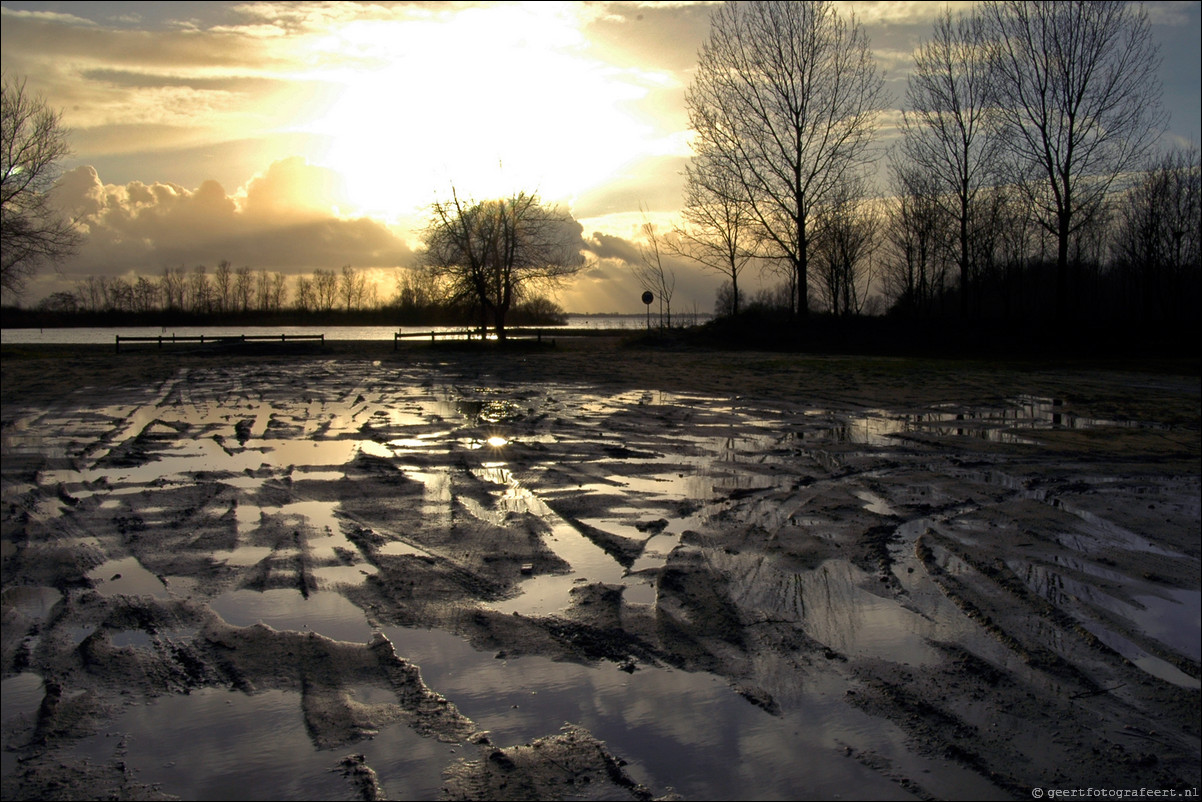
595	571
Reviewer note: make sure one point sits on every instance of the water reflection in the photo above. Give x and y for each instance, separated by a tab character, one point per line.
218	744
646	475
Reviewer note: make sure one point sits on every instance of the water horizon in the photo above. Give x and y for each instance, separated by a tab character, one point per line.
90	335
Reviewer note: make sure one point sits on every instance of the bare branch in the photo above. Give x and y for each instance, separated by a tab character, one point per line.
1076	86
32	143
785	104
491	253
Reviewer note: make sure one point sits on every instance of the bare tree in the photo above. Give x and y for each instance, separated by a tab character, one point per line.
92	293
279	290
325	289
63	301
917	237
33	142
200	292
262	291
174	288
352	285
491	253
416	289
654	276
950	128
305	301
120	295
223	286
785	103
1157	241
846	237
1076	88
147	295
244	288
717	227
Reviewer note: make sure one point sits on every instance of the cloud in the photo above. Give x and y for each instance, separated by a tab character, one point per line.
606	246
282	220
609	282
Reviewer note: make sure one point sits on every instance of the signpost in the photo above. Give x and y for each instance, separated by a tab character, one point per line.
647	299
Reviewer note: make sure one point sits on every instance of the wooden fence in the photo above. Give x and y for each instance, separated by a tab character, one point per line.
464	334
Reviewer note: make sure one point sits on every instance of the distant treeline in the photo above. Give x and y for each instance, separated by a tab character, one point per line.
244	296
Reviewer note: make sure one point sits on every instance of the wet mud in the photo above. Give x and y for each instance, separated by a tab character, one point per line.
579	575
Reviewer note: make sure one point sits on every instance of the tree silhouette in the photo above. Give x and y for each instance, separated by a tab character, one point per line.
784	104
1157	239
32	143
491	253
717	227
950	129
654	276
1075	85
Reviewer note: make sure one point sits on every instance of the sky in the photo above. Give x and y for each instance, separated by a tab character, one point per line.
293	136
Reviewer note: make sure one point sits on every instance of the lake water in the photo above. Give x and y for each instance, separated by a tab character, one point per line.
106	335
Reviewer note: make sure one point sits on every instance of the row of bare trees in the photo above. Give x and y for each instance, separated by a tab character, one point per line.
1024	125
1138	257
1135	256
225	291
419	296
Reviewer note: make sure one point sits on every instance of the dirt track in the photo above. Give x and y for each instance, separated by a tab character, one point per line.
728	575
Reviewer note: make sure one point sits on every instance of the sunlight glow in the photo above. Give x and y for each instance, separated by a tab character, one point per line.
491	99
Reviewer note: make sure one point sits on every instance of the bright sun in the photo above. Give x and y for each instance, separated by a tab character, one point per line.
492	99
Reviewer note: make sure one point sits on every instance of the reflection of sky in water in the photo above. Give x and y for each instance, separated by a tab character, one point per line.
217	744
1176	620
324	612
831	605
30	600
1172	617
21	695
126	576
687	731
642	456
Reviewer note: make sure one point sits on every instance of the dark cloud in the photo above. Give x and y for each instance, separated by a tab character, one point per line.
607	246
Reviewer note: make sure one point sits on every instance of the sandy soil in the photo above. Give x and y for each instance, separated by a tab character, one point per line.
746	575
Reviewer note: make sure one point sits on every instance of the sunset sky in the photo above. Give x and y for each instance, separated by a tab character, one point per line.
294	136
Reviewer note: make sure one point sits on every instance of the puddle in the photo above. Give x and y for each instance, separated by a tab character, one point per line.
1002	424
688	732
243	556
133	638
326	613
793	485
832	605
22	695
874	503
31	601
127	577
1175	621
197	747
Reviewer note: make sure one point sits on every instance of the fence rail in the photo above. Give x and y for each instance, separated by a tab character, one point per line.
464	334
212	338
